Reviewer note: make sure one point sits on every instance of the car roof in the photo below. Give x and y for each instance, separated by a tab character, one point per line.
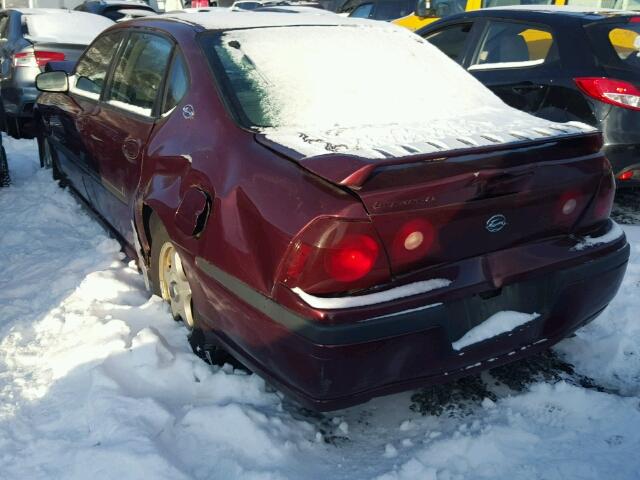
549	14
567	10
231	20
118	2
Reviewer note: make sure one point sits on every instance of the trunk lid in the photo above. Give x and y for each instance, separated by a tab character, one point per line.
449	205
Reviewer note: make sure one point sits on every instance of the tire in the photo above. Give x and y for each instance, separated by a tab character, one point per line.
48	159
5	179
211	353
11	126
167	276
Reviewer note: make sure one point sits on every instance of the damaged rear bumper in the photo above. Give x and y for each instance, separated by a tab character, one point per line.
334	359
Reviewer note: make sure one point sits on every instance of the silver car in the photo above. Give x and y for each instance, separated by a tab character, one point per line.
29	39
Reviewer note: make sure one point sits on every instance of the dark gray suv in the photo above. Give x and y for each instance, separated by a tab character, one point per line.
29	39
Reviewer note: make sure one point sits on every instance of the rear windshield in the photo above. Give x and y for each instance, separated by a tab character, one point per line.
334	76
618	45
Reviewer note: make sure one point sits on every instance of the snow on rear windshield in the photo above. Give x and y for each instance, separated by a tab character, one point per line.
344	76
77	27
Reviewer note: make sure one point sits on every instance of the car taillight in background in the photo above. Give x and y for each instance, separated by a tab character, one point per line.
633	174
607	90
38	58
333	256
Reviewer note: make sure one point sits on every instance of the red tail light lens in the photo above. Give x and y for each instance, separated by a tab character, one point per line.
44	57
604	200
352	259
38	58
335	256
607	90
630	175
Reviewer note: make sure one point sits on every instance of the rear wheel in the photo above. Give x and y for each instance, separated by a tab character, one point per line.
168	277
48	158
168	281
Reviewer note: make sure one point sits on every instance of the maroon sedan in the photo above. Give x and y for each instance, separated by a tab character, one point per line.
333	201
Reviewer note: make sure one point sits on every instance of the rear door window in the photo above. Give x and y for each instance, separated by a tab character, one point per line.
514	45
92	68
177	84
139	73
452	40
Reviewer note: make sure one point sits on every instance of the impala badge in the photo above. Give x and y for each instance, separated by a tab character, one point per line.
496	223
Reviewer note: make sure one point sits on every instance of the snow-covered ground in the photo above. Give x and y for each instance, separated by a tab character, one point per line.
98	382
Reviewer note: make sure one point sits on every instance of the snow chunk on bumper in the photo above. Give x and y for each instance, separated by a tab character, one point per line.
334	303
612	235
496	324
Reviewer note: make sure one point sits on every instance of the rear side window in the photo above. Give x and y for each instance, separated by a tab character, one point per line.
139	72
451	40
92	68
177	84
362	11
514	45
617	45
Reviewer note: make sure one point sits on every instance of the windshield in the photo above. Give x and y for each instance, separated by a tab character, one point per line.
618	45
336	76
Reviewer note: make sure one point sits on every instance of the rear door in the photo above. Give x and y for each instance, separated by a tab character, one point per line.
519	62
121	124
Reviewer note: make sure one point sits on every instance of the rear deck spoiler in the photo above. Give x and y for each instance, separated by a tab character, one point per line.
353	171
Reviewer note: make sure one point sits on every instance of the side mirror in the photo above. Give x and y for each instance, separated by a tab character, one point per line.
52	82
423	8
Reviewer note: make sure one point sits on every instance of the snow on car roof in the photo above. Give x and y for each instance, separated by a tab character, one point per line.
65	26
231	20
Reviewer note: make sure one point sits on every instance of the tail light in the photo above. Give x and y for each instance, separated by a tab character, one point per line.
607	90
39	58
332	255
603	202
629	175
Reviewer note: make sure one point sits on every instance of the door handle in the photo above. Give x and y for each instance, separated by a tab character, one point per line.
131	149
526	86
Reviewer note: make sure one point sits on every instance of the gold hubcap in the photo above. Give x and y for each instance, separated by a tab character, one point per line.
174	284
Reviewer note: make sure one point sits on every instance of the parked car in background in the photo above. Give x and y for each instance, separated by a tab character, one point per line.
29	39
385	10
428	11
117	10
557	63
335	241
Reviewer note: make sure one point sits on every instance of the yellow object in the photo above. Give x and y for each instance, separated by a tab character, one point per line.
414	22
623	41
